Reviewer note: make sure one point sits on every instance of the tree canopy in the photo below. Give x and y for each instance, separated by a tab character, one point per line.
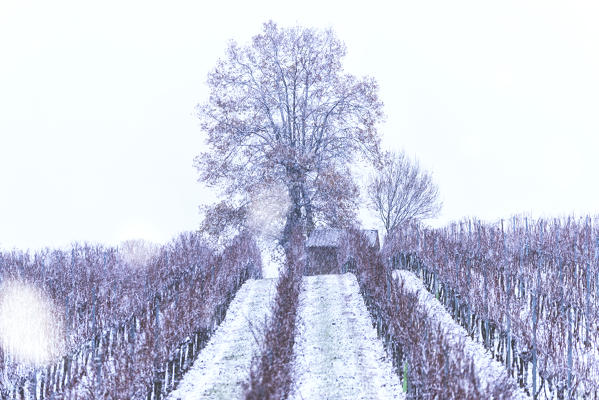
282	110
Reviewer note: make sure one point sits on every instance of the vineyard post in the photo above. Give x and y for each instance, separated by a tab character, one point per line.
67	320
418	252
468	278
597	269
509	294
73	266
94	319
43	262
98	365
536	313
435	267
456	308
95	356
521	288
146	288
104	263
32	384
131	335
157	377
588	284
569	349
527	249
388	276
406	379
535	300
575	258
66	337
467	292
534	345
484	267
526	242
560	265
114	285
469	232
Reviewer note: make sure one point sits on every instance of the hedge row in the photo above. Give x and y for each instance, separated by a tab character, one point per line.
527	289
430	363
143	354
271	370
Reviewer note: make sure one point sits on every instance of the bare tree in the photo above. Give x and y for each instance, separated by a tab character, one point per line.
282	110
401	192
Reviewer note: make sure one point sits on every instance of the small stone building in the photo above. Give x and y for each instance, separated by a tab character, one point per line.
323	246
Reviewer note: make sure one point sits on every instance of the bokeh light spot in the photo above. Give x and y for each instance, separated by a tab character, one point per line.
30	328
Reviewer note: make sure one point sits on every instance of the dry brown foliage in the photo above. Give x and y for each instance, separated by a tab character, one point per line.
432	365
270	375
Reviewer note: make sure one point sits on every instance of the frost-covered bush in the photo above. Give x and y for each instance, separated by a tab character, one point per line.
122	321
431	364
530	286
271	370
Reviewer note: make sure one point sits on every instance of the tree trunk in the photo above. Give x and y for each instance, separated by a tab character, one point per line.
294	215
309	211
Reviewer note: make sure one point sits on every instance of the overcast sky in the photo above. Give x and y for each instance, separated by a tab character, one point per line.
499	100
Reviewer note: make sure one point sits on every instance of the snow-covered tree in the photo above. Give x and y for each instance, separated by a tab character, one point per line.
283	111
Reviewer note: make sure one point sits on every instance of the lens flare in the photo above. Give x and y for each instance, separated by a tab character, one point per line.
267	210
266	218
30	329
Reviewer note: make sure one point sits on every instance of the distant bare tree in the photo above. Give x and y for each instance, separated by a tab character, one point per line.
401	192
283	110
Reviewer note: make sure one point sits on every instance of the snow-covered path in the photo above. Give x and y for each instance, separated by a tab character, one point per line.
223	365
337	352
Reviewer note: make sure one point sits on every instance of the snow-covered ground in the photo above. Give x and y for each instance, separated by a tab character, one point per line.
337	352
273	257
223	365
487	369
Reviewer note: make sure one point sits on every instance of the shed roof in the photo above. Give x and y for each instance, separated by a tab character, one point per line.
331	237
324	237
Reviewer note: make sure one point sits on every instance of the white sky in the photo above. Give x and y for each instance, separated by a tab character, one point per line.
500	100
